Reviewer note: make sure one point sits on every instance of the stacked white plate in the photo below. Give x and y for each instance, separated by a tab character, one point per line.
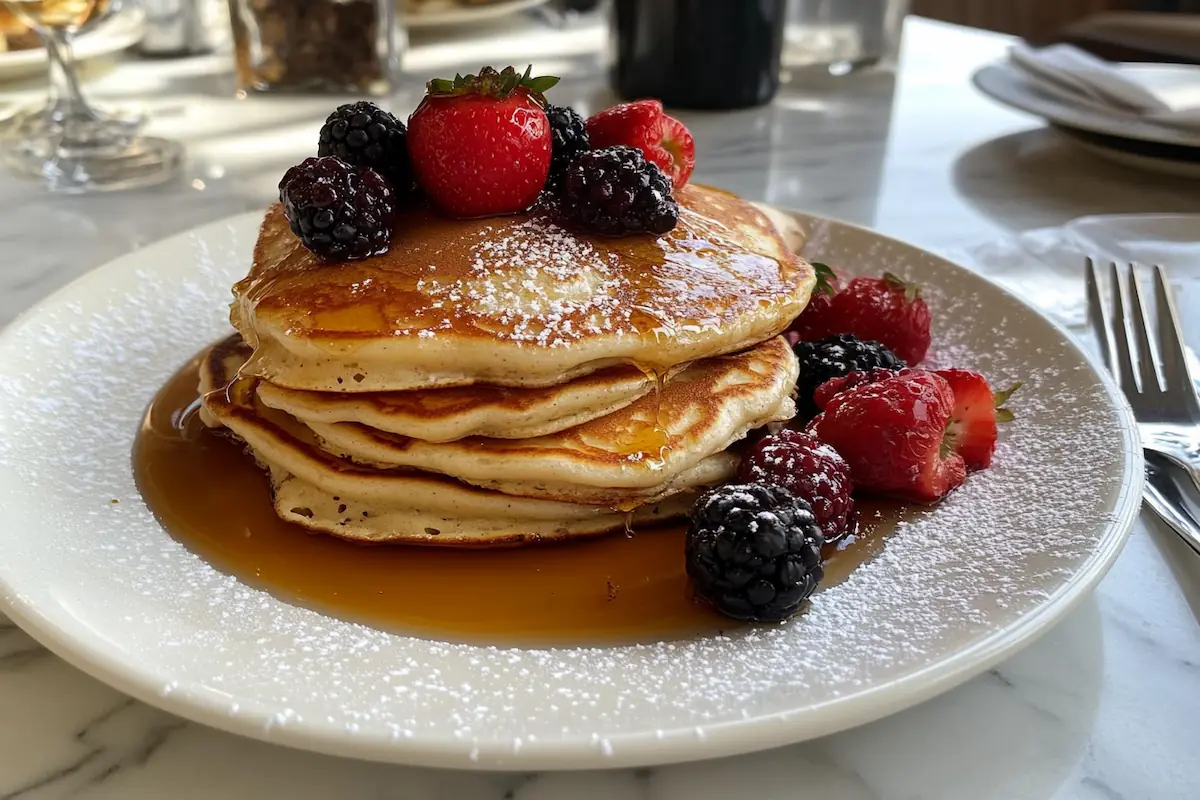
1142	115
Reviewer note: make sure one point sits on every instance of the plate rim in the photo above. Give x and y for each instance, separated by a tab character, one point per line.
1157	134
646	748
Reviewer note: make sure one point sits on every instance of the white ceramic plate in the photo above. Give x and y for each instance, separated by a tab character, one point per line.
122	31
102	585
1012	87
444	14
1139	155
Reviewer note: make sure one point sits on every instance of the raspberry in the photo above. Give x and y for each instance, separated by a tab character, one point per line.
337	211
835	357
569	139
809	469
364	135
753	551
662	139
615	191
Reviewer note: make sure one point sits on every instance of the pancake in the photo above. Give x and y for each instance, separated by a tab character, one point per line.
220	368
444	415
786	225
701	411
319	491
306	505
714	469
516	300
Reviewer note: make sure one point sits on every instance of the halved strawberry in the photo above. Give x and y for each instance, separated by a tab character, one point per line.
972	429
911	434
891	433
664	140
835	386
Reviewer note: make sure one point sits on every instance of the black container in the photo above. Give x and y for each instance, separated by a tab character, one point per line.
698	53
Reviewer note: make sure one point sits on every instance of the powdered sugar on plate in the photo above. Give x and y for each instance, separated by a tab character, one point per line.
954	587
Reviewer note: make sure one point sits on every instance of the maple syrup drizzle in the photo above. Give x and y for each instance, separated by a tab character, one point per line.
622	588
650	437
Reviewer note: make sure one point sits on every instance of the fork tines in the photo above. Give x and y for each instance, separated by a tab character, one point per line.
1149	366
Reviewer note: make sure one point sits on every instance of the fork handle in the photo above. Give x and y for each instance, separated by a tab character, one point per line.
1166	499
1184	463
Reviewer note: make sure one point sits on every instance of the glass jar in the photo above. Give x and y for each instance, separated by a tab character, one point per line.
343	46
841	36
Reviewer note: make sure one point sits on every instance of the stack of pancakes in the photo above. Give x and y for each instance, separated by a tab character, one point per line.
503	380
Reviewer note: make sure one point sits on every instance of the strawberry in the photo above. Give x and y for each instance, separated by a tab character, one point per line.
972	428
892	432
815	321
480	144
835	386
886	310
664	140
913	433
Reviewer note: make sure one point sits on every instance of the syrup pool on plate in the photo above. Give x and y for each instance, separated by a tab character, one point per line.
620	588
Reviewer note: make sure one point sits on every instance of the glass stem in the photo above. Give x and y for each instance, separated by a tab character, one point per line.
67	104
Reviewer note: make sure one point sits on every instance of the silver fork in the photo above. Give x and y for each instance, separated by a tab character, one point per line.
1155	378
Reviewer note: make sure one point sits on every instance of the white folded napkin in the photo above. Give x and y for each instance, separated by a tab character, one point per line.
1160	93
1045	266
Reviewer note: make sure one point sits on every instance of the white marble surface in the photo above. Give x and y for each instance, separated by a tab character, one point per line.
1104	707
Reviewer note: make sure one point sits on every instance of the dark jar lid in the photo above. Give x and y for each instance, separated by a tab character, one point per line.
704	54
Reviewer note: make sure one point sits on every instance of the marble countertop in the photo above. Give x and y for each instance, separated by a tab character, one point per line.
1104	707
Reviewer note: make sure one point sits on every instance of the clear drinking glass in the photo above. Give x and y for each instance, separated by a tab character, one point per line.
69	144
842	35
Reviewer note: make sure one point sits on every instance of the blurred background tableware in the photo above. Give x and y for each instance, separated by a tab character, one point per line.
341	46
70	145
438	13
14	33
180	27
842	36
22	55
1163	137
710	54
1161	94
1166	159
1041	265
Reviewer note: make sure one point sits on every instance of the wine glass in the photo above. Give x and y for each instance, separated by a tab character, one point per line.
69	144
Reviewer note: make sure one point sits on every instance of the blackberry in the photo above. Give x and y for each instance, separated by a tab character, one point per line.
339	212
754	551
364	135
809	469
569	138
834	357
615	191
